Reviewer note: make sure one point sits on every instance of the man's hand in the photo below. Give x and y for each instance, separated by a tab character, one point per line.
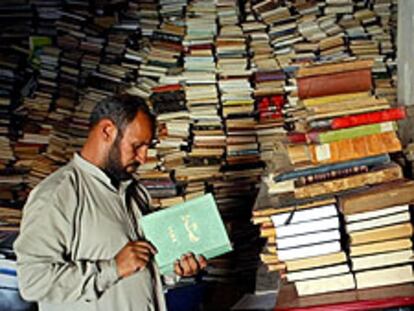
133	256
189	265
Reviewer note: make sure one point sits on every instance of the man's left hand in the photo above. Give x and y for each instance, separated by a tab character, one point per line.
189	265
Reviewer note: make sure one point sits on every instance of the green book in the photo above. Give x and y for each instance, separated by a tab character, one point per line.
193	226
353	132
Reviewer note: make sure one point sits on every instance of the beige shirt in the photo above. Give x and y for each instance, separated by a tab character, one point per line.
74	223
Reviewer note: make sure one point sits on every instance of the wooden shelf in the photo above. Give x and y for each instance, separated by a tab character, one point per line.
367	299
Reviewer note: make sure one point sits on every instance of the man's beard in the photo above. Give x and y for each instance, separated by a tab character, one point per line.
113	166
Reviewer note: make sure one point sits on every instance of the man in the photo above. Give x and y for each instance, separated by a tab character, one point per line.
80	246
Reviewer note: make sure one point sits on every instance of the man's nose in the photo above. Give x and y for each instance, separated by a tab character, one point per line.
141	156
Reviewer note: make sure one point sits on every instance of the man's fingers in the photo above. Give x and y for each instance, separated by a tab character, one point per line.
189	265
142	256
145	245
202	262
192	264
178	269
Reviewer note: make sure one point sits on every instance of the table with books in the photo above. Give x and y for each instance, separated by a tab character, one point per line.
338	291
336	212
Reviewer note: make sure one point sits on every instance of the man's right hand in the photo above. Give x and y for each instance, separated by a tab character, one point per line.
133	256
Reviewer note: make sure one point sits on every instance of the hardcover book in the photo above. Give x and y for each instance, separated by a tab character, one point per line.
193	226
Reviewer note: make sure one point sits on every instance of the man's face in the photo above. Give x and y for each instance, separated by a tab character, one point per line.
129	150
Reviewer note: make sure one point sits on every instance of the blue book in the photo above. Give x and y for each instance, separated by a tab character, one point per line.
370	161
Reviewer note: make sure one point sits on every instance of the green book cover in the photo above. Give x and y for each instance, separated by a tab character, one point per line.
193	226
354	132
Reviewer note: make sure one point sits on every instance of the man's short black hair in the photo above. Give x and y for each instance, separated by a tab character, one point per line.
121	110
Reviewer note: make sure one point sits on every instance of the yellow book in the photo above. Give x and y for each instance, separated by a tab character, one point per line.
380	247
310	102
381	234
316	261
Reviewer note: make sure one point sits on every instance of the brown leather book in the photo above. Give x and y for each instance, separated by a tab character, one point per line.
355	148
325	69
377	197
335	83
385	174
344	150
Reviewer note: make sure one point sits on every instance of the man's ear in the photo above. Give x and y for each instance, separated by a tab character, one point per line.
108	130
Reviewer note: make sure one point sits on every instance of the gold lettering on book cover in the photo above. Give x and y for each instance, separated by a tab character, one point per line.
190	227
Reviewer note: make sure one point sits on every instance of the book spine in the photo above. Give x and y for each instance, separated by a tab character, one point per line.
338	83
369	161
352	132
354	148
392	114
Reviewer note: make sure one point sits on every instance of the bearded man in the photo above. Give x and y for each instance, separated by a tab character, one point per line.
80	247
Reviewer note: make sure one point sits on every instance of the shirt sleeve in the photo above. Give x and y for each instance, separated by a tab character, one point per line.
45	269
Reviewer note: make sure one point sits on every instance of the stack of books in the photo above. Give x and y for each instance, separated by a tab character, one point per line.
269	83
79	120
172	9
11	76
147	13
42	167
164	52
35	109
380	230
338	7
161	186
173	127
236	96
343	162
235	189
6	153
305	242
228	12
16	22
48	12
10	217
207	144
328	109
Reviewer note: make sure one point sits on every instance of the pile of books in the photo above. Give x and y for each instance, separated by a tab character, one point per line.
205	153
147	13
173	132
329	161
10	217
379	227
16	22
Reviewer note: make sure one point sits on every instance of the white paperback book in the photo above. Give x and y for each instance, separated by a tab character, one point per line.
309	251
325	285
376	213
317	272
383	277
305	215
381	260
378	222
307	227
307	239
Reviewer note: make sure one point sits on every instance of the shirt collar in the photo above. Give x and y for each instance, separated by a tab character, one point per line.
99	174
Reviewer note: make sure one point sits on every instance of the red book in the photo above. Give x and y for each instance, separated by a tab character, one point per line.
206	46
275	101
392	114
336	83
296	138
167	88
